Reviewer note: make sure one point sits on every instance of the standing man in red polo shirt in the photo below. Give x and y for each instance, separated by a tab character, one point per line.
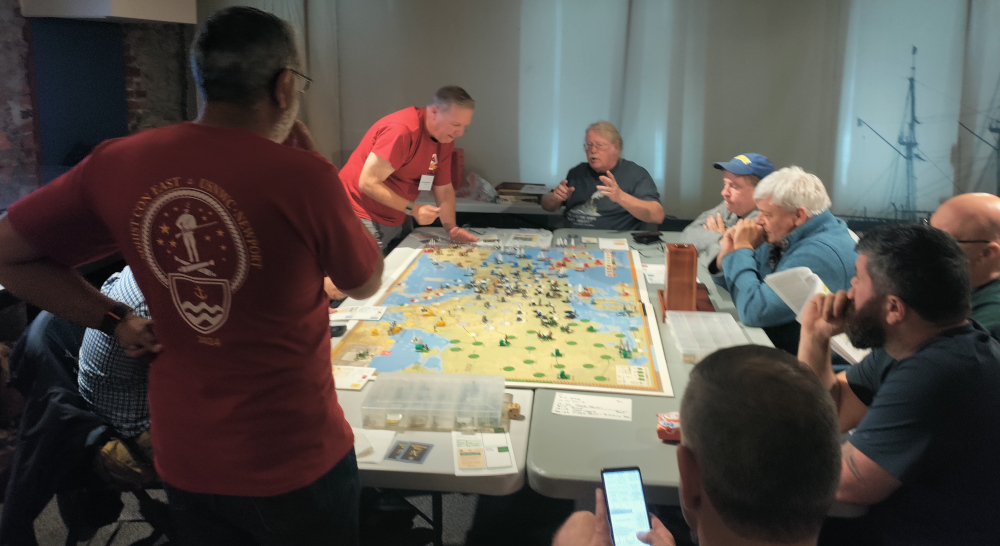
404	153
229	235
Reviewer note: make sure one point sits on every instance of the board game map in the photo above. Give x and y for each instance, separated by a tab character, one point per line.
563	317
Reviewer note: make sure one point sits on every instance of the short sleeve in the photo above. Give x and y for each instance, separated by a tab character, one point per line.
392	143
645	187
345	250
865	378
60	221
908	411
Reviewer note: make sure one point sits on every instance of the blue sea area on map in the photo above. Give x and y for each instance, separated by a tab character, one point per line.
425	274
403	353
608	321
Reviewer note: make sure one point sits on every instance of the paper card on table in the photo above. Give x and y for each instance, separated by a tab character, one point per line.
612	244
655	273
494	439
468	458
537	238
415	452
588	240
498	457
396	450
351	378
595	407
483	453
366	312
379	440
362	447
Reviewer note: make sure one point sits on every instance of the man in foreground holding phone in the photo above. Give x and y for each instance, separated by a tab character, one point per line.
777	487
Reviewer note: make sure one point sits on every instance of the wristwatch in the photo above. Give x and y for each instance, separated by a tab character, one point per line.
409	208
113	318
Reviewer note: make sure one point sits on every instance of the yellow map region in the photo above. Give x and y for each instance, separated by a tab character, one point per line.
470	310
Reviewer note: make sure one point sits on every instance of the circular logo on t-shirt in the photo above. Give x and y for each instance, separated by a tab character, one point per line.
196	249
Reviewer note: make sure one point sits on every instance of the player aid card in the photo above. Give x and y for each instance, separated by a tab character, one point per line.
396	451
416	452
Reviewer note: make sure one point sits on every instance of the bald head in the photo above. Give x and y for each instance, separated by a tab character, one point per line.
974	220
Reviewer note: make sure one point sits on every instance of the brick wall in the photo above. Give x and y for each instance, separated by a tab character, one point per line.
157	80
158	87
19	144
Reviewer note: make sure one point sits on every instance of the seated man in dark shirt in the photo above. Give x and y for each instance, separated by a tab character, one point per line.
608	191
927	427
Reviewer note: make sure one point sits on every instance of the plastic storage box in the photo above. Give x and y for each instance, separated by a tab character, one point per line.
699	334
438	402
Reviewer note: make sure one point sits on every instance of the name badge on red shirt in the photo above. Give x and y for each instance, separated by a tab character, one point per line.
426	181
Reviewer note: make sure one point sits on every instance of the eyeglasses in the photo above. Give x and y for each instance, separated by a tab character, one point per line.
599	147
304	77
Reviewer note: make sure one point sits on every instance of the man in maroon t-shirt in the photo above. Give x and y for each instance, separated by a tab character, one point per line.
229	235
404	153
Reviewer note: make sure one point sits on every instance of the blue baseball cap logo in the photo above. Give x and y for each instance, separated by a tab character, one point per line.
746	164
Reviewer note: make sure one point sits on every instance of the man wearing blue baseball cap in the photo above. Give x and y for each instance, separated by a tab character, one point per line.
740	177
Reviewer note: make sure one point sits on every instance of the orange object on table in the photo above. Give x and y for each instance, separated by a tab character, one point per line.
668	426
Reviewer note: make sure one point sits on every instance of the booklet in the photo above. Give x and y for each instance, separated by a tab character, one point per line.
795	287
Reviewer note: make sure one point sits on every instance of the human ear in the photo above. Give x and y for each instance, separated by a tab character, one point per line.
690	487
284	89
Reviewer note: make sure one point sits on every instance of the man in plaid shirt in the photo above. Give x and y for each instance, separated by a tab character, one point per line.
115	384
116	387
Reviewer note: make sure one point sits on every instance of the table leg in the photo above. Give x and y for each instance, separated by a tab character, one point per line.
438	516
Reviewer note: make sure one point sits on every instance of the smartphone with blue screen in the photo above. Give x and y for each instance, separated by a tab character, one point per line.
626	504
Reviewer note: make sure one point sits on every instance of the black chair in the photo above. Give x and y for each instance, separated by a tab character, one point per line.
59	442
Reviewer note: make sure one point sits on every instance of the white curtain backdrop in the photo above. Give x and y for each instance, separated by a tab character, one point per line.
871	174
687	84
977	159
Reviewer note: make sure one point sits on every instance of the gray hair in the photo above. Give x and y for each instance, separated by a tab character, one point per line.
791	188
607	130
239	53
450	95
765	435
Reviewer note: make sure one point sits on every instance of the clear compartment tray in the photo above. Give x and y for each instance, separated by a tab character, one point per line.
438	402
698	334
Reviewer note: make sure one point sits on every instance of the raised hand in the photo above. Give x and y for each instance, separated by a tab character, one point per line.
563	191
747	233
715	223
610	188
825	315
